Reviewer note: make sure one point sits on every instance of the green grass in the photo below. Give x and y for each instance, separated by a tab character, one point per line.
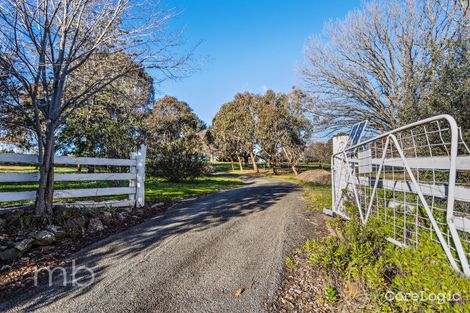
226	167
34	169
317	196
157	190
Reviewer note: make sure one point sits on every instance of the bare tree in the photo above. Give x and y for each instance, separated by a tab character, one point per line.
44	44
379	62
319	152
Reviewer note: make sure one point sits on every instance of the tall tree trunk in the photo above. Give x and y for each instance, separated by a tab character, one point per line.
231	164
294	169
240	163
253	159
44	195
274	166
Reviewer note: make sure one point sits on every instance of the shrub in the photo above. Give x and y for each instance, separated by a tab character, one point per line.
177	160
361	255
174	141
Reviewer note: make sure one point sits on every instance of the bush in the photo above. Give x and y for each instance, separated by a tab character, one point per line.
361	256
174	141
176	161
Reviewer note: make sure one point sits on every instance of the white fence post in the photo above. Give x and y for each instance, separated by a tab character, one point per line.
140	192
133	182
340	174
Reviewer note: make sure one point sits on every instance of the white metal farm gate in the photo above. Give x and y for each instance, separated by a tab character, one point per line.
415	179
135	175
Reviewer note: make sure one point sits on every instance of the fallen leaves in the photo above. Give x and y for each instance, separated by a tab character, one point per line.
238	292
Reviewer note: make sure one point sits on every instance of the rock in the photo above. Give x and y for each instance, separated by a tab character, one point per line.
75	227
157	205
44	238
128	209
95	225
58	231
9	254
121	216
3	248
140	212
5	268
107	217
24	245
3	223
14	217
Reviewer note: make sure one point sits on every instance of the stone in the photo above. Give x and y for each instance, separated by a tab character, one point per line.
44	238
107	217
24	245
3	223
95	225
14	217
157	205
75	227
58	231
5	268
9	254
128	209
121	216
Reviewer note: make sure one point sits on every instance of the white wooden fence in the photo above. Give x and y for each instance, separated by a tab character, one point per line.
135	176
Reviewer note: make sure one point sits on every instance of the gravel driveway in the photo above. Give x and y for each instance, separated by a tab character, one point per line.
222	252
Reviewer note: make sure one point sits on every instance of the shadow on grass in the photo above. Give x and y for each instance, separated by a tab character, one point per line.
190	215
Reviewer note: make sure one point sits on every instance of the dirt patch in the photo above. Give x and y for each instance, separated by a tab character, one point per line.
316	176
301	288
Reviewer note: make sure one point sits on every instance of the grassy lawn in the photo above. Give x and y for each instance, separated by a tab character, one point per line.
226	167
317	196
34	169
157	190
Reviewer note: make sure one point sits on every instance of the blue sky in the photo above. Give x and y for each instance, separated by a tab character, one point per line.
249	45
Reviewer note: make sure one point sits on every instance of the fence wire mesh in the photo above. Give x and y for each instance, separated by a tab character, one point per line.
415	180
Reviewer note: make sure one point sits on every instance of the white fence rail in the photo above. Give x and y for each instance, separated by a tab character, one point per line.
416	179
135	176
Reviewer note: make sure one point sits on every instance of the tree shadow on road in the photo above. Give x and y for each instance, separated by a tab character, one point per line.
197	214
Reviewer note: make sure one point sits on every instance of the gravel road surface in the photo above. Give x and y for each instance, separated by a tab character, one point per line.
222	252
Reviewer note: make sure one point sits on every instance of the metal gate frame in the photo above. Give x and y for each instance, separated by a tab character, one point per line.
391	139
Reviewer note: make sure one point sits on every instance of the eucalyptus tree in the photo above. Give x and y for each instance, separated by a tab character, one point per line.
112	124
296	128
234	128
228	131
45	44
282	127
381	61
269	128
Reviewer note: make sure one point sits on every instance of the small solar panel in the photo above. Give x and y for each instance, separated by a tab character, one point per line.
353	131
356	133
